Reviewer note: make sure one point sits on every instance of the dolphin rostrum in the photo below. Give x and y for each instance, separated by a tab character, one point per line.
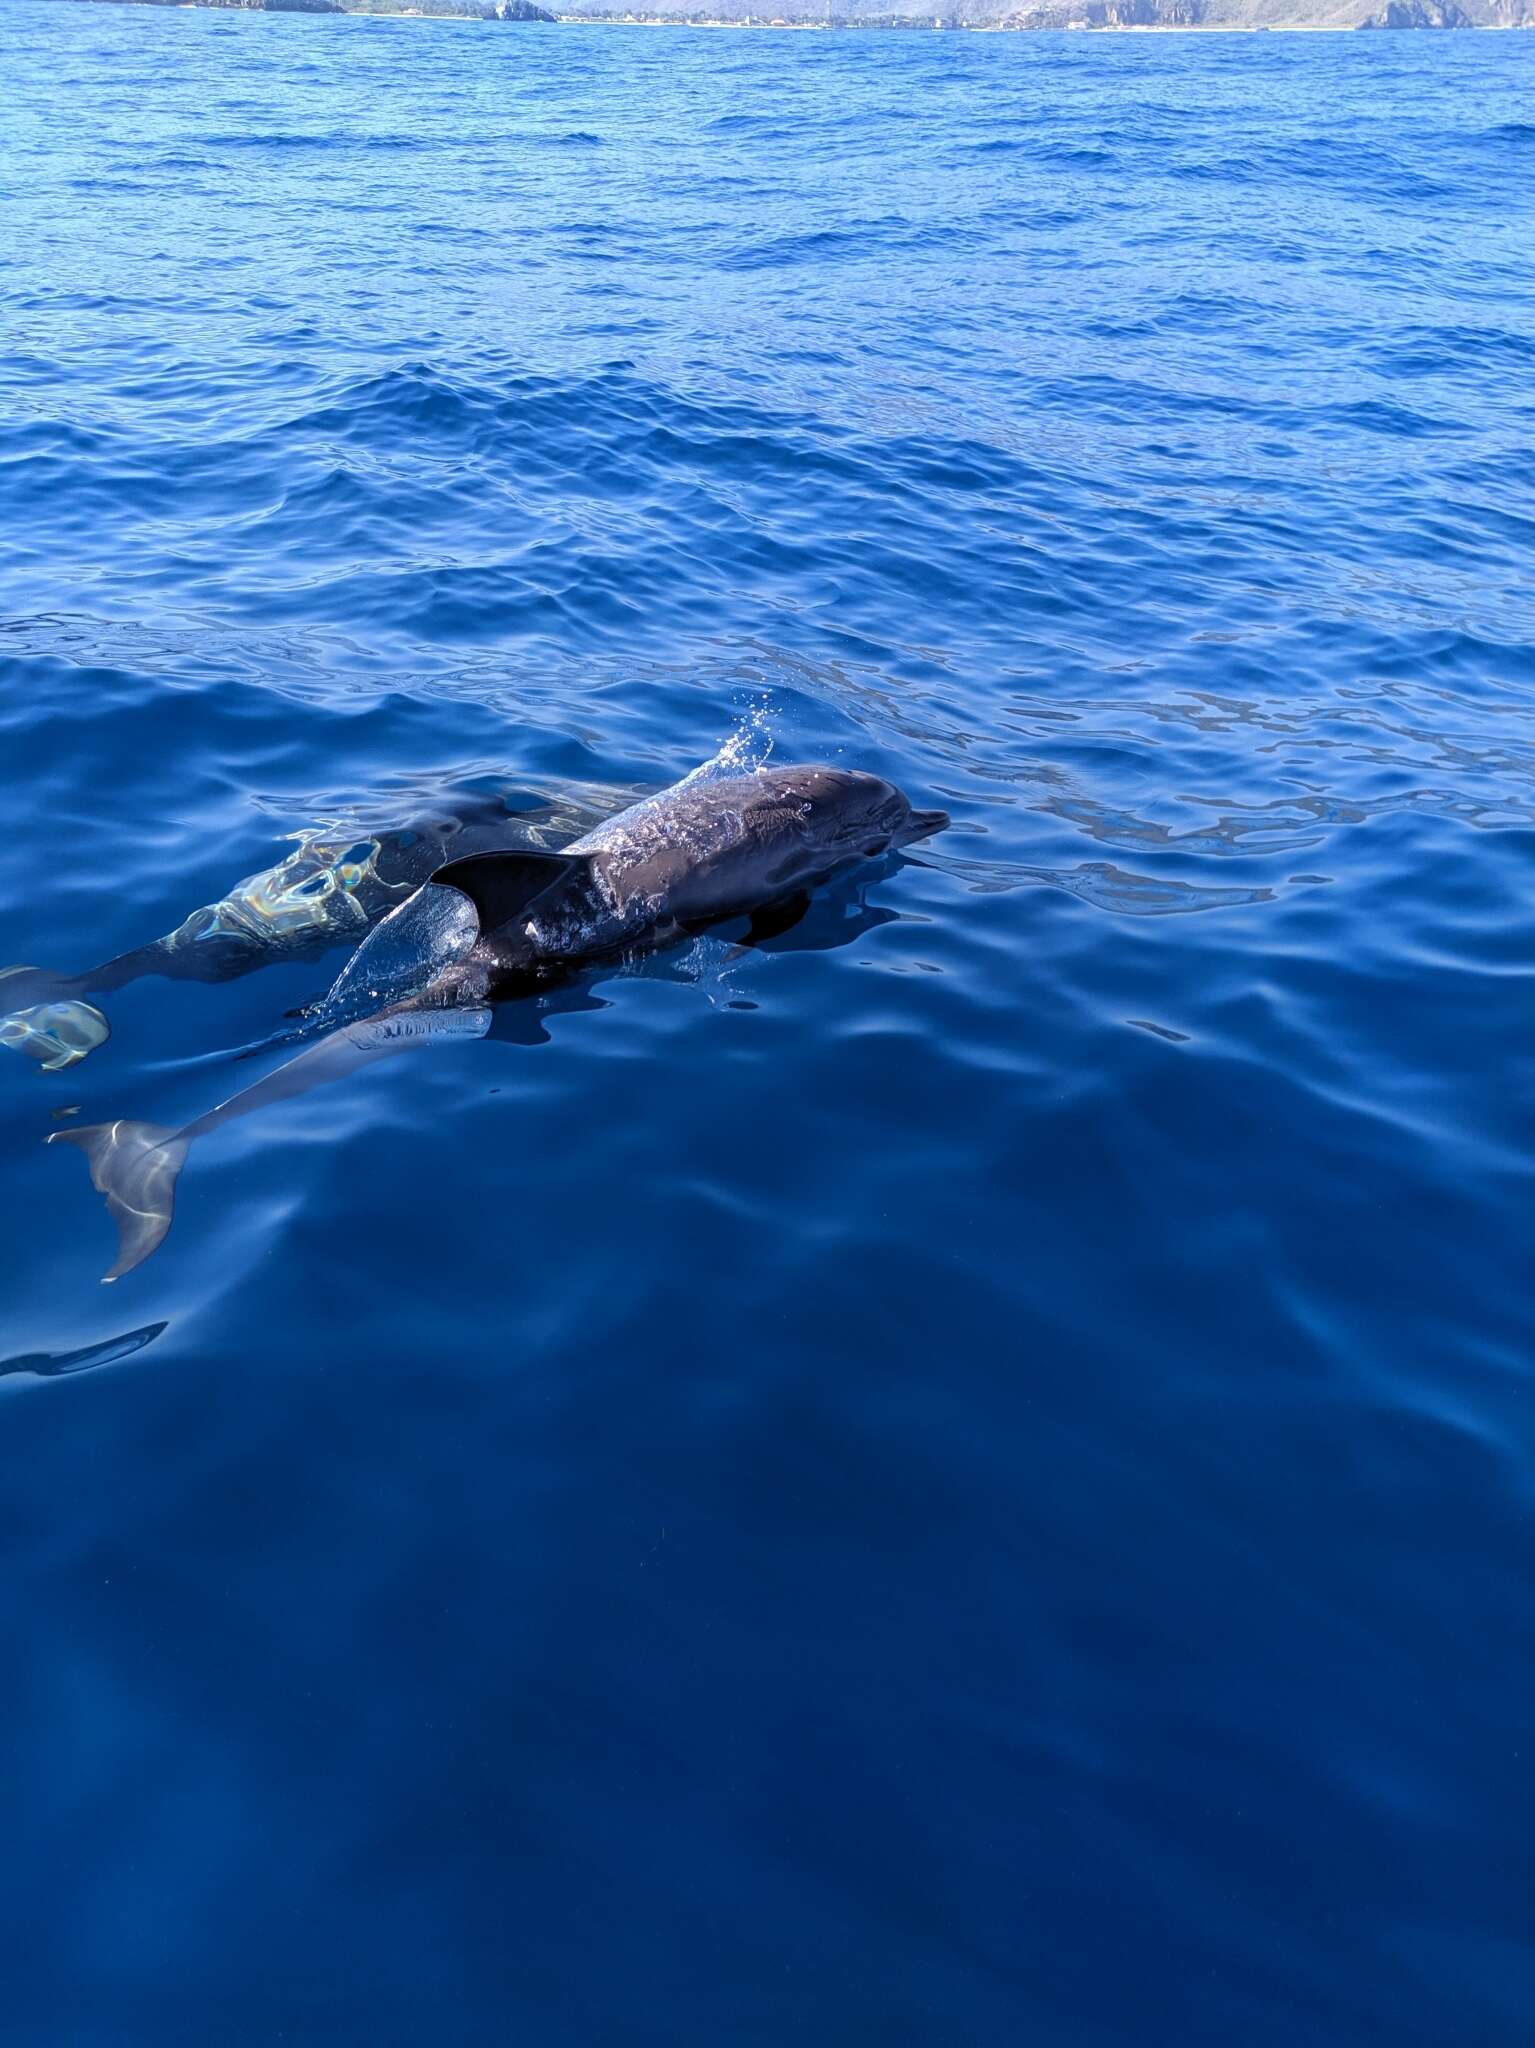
491	925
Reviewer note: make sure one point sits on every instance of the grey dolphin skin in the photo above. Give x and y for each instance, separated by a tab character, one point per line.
494	925
695	855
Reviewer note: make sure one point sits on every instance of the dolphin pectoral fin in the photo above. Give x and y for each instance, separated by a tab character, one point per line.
503	886
136	1167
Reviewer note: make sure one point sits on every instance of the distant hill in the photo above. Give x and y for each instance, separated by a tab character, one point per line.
455	10
472	10
1069	14
946	14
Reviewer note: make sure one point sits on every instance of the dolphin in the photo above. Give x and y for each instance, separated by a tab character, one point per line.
498	924
709	849
335	885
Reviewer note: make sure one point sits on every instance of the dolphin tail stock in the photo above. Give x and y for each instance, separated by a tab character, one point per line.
136	1167
22	987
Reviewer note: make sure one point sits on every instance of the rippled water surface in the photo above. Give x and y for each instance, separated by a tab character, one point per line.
965	1476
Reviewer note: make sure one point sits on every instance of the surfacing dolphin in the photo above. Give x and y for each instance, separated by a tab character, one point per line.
494	925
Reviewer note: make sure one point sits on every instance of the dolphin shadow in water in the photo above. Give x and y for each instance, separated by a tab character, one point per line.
55	1364
496	942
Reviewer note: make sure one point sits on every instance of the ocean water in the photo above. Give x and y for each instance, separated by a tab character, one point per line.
965	1477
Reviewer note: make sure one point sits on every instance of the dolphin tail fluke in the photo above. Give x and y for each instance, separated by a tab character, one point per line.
136	1167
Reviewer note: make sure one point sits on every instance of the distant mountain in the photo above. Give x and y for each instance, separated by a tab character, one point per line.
472	10
947	14
1068	14
456	10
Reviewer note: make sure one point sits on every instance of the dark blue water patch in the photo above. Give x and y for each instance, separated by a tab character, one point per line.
760	125
1454	351
828	245
1073	156
1321	160
961	1473
273	142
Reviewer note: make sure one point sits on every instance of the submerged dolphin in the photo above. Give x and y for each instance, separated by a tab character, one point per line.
335	885
492	925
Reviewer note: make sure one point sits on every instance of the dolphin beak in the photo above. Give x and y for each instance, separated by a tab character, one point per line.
923	824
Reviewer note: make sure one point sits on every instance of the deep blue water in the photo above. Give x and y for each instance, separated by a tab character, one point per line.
964	1478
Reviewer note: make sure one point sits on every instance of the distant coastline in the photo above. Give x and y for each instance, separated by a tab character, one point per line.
973	16
385	10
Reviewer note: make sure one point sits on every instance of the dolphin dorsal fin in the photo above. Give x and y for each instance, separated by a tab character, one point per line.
502	886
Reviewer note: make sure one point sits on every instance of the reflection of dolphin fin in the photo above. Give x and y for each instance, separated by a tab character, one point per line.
776	919
135	1166
501	886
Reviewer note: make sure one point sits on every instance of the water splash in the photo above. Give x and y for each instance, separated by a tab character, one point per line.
745	751
402	956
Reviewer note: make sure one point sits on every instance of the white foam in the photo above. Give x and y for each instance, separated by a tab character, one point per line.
745	751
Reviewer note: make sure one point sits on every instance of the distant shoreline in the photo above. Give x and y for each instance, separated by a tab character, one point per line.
918	26
1404	16
484	16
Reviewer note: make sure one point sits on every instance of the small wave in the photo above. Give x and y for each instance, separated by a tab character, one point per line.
1421	351
824	244
764	126
1072	155
271	139
1103	886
